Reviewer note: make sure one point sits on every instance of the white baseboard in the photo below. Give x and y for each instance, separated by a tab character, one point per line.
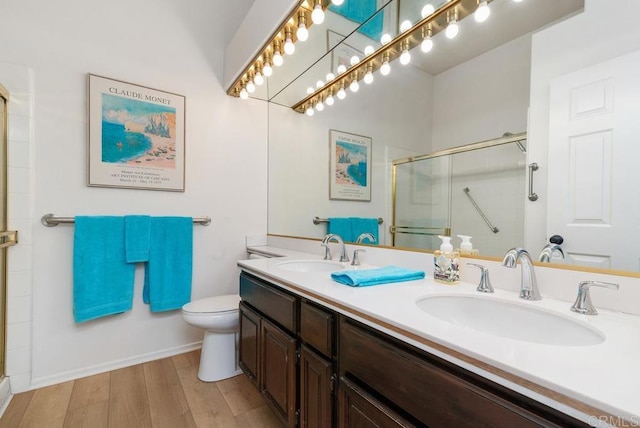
113	365
5	394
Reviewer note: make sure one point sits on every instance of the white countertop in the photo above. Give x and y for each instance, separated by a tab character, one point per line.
605	376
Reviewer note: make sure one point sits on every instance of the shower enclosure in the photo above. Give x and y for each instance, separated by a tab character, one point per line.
477	190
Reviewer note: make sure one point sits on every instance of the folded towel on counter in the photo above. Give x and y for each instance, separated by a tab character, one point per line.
167	278
364	225
383	275
136	235
102	279
341	226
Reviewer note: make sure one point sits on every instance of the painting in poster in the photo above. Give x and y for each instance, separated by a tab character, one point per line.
350	169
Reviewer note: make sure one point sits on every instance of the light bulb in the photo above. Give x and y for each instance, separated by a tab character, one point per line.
267	70
342	68
309	90
386	38
517	1
405	25
309	111
317	16
452	29
341	93
354	86
243	93
251	88
319	84
354	60
329	101
302	33
330	77
289	47
482	12
385	69
337	2
259	79
426	45
405	57
369	50
277	59
427	10
319	106
368	77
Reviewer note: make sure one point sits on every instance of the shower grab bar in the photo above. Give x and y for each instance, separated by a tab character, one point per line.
484	217
532	195
318	220
50	220
416	230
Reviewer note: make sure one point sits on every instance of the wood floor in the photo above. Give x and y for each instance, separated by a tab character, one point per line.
160	394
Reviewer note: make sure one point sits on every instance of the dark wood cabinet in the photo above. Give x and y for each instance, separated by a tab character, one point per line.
316	386
249	343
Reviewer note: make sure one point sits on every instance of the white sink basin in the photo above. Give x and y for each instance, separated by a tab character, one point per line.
310	266
510	320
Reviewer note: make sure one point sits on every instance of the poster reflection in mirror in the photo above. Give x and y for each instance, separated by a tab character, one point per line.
349	166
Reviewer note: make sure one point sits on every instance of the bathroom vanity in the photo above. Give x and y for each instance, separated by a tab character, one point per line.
320	364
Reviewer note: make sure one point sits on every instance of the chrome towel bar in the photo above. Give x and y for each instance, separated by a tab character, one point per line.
318	220
50	220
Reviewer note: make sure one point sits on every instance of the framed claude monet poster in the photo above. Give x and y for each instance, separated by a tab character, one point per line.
350	166
136	136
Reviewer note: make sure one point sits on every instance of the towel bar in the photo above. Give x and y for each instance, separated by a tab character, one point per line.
50	220
318	220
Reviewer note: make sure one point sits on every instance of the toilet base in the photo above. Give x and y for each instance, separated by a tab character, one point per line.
218	359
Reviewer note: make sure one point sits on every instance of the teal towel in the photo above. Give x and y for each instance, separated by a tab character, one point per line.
102	279
365	225
341	226
136	235
383	275
167	279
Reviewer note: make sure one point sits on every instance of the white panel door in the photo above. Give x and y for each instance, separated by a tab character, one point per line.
594	164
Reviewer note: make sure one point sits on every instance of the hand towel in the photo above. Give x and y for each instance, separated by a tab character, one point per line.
383	275
167	279
102	279
365	225
341	226
136	235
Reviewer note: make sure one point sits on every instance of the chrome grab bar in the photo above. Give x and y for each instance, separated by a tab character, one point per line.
318	220
484	217
532	195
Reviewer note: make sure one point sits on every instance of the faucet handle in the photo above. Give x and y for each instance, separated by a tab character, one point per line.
583	303
327	251
356	260
485	283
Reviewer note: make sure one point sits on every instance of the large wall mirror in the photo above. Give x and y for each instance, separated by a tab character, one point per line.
490	81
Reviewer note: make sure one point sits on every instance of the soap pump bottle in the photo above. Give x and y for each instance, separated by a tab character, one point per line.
466	247
446	263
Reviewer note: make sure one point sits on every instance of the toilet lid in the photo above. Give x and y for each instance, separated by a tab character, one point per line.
217	304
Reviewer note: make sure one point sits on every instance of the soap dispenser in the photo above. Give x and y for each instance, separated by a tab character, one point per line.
466	247
446	263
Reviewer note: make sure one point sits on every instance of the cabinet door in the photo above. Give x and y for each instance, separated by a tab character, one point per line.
358	409
249	345
315	390
278	374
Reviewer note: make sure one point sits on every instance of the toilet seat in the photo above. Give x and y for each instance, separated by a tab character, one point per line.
216	304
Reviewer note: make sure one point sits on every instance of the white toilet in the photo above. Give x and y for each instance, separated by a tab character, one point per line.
219	318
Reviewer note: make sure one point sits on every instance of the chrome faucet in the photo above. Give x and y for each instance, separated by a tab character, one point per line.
364	236
583	303
343	251
529	286
547	252
484	286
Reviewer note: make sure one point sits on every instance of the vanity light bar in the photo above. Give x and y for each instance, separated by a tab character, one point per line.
434	23
288	29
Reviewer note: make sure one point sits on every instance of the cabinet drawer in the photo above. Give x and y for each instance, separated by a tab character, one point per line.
436	392
316	328
275	303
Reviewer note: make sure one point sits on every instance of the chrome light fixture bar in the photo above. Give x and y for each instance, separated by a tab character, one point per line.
289	30
431	24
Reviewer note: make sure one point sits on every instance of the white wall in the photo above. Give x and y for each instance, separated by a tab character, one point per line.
561	49
161	44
